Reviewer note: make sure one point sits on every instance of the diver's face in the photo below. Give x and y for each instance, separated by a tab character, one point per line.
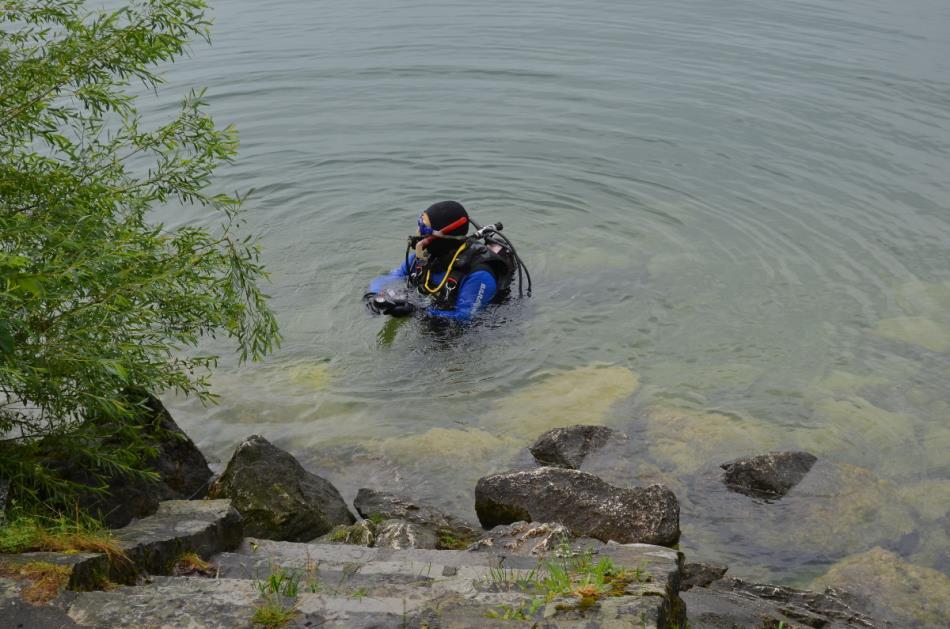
424	225
424	229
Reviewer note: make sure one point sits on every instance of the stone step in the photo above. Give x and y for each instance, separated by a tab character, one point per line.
353	586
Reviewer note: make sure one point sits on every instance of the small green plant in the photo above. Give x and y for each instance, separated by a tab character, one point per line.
448	540
567	574
358	593
339	534
279	588
376	518
507	579
525	611
273	614
280	583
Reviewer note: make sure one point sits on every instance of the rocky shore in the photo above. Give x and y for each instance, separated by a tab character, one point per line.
273	544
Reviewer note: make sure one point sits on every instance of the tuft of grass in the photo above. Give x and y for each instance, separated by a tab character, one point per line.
376	518
340	534
280	583
46	580
59	533
273	615
190	564
279	588
447	540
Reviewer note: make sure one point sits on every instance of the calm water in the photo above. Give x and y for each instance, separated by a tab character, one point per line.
737	216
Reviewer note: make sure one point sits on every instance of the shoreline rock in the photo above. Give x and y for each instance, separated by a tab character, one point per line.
768	476
585	504
182	468
569	446
450	531
892	589
728	603
276	496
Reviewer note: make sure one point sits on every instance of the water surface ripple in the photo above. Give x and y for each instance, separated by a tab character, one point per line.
737	216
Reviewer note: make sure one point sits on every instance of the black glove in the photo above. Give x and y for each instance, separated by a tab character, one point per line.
379	304
399	308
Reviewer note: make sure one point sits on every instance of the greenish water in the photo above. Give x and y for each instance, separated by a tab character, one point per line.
737	216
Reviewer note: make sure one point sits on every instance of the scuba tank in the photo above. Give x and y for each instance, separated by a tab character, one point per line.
486	249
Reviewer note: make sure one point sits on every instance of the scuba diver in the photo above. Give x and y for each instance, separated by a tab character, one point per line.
458	273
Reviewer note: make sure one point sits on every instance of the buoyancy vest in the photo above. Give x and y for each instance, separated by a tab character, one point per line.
477	256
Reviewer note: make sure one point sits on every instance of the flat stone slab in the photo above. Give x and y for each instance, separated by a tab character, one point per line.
170	602
86	570
204	527
731	603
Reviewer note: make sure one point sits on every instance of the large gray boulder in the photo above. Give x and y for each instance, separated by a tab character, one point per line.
182	469
568	447
277	497
767	475
582	502
450	531
532	539
4	499
180	464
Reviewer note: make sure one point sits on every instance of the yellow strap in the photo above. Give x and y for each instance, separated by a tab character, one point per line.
447	272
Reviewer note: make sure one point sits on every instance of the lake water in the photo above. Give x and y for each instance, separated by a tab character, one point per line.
736	215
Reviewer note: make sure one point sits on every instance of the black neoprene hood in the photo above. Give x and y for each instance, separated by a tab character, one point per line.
445	213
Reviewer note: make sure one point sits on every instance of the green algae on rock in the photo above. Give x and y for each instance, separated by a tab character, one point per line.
856	431
892	589
582	395
455	444
844	509
689	440
920	331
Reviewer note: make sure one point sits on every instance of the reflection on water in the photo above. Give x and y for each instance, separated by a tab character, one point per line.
736	218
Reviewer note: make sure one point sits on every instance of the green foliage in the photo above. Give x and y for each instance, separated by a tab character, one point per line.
25	533
567	575
96	297
280	583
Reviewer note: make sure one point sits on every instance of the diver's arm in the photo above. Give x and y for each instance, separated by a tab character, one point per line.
476	290
399	272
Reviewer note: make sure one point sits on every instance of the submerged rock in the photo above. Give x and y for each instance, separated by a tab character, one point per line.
892	589
688	440
922	331
841	509
698	574
277	497
524	538
568	447
585	504
451	532
767	475
586	393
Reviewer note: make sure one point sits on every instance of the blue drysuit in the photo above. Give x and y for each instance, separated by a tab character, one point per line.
475	291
